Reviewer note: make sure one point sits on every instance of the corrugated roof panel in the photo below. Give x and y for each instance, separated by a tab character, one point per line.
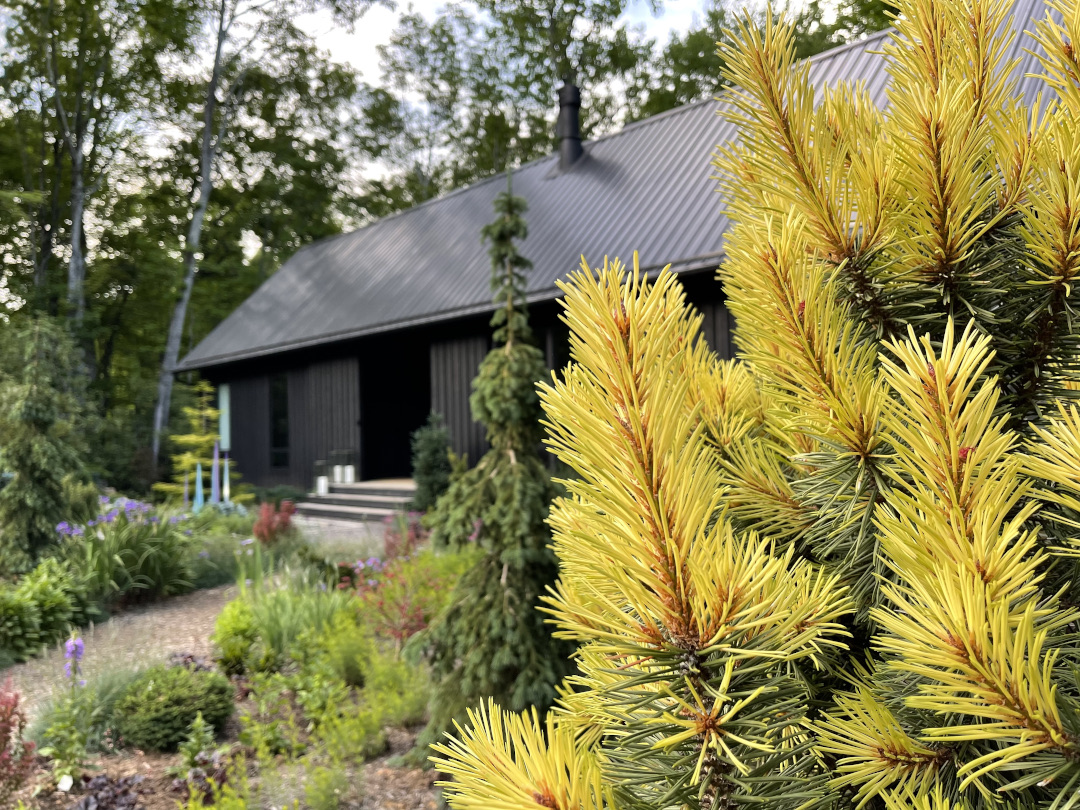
649	187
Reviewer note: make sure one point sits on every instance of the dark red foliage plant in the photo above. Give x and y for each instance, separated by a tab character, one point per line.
273	523
402	535
16	754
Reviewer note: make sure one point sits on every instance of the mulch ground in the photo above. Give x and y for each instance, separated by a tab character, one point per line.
383	785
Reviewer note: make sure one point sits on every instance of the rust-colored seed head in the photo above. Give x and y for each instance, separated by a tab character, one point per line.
965	452
545	799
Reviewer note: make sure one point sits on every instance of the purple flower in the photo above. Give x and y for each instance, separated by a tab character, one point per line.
92	523
175	519
64	528
112	515
154	520
247	542
74	648
104	499
188	532
204	555
67	670
77	531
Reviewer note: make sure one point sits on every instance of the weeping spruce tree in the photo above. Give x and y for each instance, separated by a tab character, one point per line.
841	571
492	641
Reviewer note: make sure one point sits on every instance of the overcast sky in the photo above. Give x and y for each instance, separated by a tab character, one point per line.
358	48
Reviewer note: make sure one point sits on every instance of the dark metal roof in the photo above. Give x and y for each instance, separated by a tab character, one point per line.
649	188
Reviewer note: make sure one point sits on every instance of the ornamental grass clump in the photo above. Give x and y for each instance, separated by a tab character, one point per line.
841	571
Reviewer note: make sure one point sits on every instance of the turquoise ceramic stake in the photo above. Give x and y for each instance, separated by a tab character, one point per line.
215	480
199	500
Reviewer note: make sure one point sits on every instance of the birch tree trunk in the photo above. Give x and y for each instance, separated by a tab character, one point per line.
77	262
207	158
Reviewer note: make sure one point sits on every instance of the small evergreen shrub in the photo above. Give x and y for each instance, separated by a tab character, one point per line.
51	586
41	609
430	462
160	705
20	625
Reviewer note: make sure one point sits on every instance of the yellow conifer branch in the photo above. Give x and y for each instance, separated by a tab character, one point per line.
874	753
504	761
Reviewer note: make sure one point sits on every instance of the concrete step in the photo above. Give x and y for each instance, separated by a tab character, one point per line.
363	514
362	499
375	489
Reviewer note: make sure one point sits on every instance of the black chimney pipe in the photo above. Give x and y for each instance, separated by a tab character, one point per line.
568	127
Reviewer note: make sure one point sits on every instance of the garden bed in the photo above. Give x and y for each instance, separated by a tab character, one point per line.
381	784
135	638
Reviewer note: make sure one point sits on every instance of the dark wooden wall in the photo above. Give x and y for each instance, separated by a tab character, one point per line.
454	364
324	412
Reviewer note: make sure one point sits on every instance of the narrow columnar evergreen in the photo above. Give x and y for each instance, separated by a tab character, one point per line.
840	571
41	415
493	642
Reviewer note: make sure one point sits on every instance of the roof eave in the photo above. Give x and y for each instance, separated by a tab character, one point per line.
689	265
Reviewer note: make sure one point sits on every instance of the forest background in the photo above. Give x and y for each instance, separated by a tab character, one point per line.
159	159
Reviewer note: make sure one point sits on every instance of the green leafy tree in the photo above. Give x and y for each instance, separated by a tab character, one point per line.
688	67
41	436
248	36
492	641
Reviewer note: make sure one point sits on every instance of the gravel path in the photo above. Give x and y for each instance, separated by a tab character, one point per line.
132	640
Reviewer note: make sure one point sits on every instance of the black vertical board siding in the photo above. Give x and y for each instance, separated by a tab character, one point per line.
454	364
250	423
324	409
332	413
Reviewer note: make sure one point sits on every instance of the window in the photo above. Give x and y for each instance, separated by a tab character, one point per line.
279	420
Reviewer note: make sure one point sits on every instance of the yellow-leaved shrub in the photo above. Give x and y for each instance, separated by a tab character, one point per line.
840	570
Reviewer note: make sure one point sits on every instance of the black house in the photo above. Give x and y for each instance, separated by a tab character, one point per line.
357	337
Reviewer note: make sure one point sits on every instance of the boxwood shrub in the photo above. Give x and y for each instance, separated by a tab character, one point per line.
159	706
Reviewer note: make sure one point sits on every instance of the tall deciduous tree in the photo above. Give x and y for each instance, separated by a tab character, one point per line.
95	66
242	33
476	88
